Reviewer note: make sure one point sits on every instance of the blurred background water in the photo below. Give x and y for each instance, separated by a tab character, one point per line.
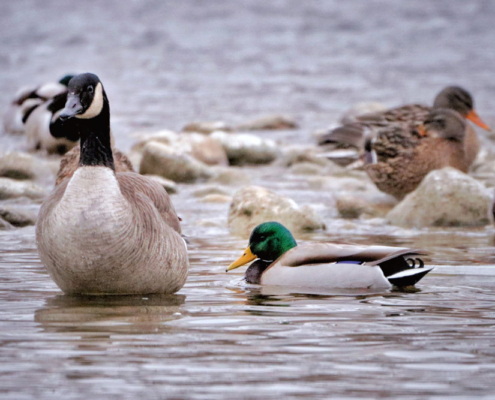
165	64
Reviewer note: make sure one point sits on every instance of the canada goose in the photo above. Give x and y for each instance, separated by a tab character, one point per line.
102	232
26	100
281	262
399	158
410	116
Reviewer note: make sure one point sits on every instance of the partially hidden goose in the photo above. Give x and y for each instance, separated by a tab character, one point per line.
281	262
409	116
102	232
399	158
27	99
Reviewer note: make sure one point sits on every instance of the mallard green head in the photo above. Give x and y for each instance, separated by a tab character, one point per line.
268	242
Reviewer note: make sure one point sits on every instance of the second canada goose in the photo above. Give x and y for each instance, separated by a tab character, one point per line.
102	232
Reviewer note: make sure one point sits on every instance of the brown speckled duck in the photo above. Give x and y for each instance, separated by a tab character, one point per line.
106	232
399	158
410	116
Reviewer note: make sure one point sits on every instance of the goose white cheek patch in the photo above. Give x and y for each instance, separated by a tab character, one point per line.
96	105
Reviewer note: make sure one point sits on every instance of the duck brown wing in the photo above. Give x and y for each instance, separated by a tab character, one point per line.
133	184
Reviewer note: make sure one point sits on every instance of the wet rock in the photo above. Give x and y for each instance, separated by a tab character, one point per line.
253	205
363	108
4	224
352	207
216	198
203	148
245	149
208	190
164	136
167	184
11	189
306	168
230	176
269	122
300	154
165	161
207	127
17	165
18	216
446	197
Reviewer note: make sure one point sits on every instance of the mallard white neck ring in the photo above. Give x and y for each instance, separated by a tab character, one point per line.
96	105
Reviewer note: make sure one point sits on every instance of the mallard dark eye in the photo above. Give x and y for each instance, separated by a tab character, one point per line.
90	89
262	238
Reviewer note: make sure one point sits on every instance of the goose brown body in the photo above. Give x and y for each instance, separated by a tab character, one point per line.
102	231
70	162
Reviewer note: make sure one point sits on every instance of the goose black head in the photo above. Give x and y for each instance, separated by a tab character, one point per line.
445	123
85	97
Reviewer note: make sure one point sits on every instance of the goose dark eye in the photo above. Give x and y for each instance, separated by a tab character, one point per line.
90	89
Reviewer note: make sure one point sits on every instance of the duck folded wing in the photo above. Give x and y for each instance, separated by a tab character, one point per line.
323	253
133	184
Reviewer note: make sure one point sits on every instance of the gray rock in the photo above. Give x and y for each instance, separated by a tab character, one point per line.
445	197
253	205
230	176
17	165
18	216
269	122
216	198
296	154
168	185
5	225
11	189
208	190
245	149
164	160
207	127
352	207
306	168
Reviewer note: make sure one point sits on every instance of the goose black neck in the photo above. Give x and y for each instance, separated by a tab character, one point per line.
96	148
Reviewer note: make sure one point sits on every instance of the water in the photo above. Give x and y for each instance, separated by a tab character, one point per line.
164	65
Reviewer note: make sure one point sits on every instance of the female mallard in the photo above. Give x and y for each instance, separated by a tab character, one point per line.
399	158
281	262
409	117
102	232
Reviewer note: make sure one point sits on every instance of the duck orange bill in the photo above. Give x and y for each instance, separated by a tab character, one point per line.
244	259
475	119
421	130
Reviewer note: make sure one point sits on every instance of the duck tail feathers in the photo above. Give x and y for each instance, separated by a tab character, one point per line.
409	277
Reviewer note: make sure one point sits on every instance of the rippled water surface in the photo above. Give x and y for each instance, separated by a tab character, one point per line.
166	64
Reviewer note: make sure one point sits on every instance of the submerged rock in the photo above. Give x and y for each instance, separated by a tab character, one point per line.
296	154
208	190
445	197
166	161
253	205
269	122
11	189
207	127
245	149
352	207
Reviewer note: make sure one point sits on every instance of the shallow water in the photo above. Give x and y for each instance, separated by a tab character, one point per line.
219	338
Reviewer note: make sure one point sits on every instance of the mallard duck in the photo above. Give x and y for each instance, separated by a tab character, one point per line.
399	158
410	116
102	232
281	262
27	99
